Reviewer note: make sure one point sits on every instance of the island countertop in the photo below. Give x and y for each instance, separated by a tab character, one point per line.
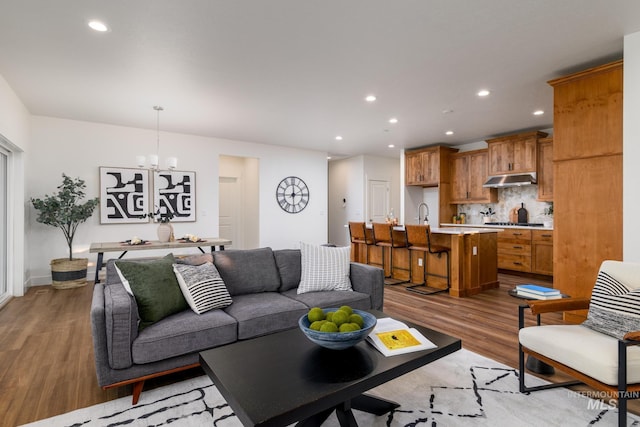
463	229
499	227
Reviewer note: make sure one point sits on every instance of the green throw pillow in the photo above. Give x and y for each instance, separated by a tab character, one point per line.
155	287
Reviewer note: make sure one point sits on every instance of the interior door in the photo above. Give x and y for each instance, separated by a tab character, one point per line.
230	200
377	200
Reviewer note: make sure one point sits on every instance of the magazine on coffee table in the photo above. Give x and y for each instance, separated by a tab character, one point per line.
392	337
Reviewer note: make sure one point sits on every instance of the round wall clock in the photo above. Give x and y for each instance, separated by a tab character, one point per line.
292	194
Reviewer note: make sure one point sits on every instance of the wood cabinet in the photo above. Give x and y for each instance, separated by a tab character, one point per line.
542	252
587	191
514	250
469	170
513	154
423	166
545	169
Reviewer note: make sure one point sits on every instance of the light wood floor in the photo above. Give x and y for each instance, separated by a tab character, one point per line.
46	353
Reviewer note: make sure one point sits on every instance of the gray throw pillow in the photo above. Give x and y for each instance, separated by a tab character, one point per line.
614	308
324	268
202	286
155	288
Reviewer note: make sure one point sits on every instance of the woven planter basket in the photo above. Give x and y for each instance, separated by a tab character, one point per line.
67	274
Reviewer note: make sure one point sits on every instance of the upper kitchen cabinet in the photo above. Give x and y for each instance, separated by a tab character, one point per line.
514	154
545	169
587	167
469	170
427	167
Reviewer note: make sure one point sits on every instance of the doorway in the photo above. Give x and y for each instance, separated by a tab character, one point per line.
230	222
238	201
377	200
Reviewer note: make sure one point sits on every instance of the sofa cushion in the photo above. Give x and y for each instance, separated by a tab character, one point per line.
327	299
202	287
183	333
264	313
290	267
155	288
582	349
615	307
324	268
248	271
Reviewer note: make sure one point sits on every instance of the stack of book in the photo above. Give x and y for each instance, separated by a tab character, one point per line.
537	292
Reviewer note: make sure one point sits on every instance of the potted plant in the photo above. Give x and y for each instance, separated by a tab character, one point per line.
65	211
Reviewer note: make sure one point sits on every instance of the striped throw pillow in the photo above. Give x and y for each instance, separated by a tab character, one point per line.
202	286
324	268
614	308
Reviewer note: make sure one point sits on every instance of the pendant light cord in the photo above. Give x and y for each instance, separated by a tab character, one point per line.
158	109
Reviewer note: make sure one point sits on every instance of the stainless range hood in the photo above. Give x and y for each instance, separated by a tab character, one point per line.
501	181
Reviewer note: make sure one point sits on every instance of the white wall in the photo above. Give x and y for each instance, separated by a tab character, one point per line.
80	148
14	129
631	149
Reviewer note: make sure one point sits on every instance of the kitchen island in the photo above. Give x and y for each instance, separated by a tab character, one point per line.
473	259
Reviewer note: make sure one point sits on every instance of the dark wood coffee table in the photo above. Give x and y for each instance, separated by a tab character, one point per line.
281	378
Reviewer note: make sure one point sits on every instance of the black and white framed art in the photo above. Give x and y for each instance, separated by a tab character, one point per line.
124	195
175	192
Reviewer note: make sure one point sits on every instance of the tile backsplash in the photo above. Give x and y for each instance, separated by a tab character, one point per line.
509	198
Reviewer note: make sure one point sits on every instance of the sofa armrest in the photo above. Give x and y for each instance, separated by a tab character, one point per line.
121	325
368	280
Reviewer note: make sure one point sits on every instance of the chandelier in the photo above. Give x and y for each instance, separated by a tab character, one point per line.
172	162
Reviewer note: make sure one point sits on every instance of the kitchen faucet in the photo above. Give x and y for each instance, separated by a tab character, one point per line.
426	215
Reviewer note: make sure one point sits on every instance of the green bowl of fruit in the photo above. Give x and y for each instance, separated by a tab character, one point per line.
337	328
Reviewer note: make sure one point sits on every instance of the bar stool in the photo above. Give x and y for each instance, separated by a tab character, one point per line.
419	239
360	235
383	237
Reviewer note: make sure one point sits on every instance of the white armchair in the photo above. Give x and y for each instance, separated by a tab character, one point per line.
603	351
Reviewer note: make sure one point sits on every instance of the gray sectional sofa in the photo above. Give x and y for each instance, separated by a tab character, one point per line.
263	286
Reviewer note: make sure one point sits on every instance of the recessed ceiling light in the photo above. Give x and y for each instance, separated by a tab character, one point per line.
449	132
391	146
370	98
328	157
338	138
393	120
538	113
98	26
483	92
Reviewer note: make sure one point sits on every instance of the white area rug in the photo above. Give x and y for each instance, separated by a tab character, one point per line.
463	389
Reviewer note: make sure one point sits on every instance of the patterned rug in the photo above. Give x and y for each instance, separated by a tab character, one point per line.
462	389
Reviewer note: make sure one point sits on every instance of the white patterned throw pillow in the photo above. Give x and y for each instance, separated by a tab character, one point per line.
614	309
324	268
202	286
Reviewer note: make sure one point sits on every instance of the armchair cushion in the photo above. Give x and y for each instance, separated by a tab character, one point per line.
615	307
583	349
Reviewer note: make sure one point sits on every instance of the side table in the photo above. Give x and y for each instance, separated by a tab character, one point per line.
533	364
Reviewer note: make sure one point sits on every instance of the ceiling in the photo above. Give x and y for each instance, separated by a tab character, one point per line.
296	72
